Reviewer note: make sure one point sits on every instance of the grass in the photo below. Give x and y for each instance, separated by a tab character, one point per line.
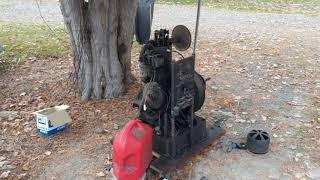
24	41
21	42
308	7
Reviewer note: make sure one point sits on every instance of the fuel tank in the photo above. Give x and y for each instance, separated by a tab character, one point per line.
132	151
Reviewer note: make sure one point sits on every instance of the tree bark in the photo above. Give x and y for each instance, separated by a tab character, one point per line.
101	33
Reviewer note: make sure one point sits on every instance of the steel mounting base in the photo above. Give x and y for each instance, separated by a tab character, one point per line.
164	165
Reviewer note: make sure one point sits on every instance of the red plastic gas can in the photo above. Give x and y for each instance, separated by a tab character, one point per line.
132	151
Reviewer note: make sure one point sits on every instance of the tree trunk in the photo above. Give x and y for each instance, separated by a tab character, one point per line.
101	33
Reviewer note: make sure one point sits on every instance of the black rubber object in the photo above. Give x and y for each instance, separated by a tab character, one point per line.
258	141
144	20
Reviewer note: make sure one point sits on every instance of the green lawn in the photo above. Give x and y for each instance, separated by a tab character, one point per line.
308	7
27	41
24	41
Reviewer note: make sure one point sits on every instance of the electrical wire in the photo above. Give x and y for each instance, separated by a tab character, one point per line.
182	57
43	19
148	85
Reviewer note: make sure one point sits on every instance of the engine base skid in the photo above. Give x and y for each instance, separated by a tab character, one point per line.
164	165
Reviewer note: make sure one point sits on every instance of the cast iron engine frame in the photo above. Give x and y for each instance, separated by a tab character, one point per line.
178	132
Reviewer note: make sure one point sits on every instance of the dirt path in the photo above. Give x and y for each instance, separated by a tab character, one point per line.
265	71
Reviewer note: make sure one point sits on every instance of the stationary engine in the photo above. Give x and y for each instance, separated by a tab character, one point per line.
154	101
173	91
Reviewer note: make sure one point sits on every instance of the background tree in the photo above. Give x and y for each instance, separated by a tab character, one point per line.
101	33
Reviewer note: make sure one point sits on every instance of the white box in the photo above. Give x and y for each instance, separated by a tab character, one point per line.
52	120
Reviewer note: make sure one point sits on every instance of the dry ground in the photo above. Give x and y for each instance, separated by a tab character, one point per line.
253	97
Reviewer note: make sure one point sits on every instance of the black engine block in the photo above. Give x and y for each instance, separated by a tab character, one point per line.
156	72
172	93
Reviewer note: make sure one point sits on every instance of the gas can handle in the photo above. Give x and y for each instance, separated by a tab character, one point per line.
138	131
135	123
